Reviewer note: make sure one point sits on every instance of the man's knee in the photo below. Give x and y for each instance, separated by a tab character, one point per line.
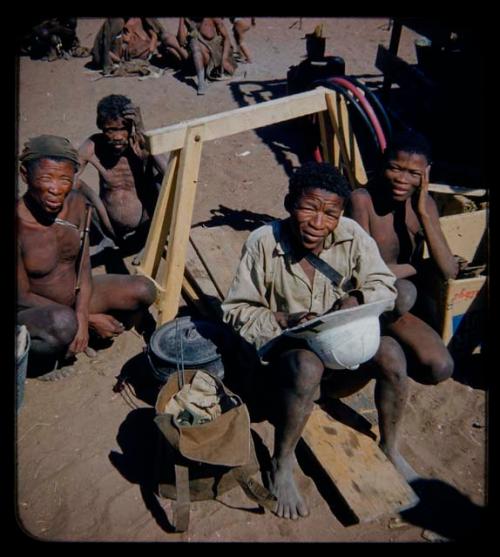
302	371
145	291
59	327
439	369
406	298
390	360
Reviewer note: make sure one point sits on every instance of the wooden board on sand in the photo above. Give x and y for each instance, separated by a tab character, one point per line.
366	480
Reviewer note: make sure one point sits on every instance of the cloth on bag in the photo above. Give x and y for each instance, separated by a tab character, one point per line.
48	146
197	402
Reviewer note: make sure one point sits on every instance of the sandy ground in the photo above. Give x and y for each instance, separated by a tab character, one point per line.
85	454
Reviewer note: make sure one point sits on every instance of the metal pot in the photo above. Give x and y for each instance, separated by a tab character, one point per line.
202	342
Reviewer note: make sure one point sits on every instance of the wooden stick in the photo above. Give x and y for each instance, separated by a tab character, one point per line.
329	96
85	241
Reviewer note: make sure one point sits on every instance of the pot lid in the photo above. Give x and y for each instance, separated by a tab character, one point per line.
201	341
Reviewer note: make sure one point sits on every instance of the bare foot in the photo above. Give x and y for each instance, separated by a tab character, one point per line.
282	486
401	465
202	87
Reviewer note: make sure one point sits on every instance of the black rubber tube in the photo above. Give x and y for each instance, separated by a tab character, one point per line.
352	101
376	104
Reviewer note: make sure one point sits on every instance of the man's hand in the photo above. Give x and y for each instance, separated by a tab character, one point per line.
105	326
345	303
132	113
80	342
287	320
423	192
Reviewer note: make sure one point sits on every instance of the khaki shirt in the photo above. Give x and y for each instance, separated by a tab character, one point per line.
269	279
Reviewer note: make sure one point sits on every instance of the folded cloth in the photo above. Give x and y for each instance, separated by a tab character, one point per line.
197	402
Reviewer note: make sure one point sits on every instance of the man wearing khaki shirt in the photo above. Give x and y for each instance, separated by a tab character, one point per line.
276	287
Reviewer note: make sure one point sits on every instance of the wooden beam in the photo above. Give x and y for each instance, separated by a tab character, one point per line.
162	216
366	480
182	212
173	137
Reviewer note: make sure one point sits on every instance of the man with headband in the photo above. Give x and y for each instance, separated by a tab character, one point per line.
58	300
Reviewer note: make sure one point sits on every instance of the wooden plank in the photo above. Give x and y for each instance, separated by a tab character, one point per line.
162	216
182	212
169	138
355	159
326	151
331	102
362	474
445	188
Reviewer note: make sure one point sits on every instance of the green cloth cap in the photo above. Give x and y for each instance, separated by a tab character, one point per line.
47	146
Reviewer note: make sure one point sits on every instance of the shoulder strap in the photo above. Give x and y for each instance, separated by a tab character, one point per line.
324	268
182	503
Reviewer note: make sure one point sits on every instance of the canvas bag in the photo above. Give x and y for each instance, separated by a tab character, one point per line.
199	462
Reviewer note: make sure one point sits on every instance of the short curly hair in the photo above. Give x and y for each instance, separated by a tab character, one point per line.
410	142
321	175
111	108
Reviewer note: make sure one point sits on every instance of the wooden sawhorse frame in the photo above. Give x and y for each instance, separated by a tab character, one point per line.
171	221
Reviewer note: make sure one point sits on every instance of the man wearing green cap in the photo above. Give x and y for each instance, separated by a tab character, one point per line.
58	299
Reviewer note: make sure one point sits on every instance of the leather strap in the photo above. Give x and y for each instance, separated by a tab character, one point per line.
181	507
324	268
255	490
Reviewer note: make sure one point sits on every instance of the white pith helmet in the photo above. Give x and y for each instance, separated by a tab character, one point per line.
346	338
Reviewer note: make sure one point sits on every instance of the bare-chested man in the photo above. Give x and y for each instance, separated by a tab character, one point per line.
207	40
398	212
57	311
127	186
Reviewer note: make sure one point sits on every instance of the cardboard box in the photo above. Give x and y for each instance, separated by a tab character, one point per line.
463	302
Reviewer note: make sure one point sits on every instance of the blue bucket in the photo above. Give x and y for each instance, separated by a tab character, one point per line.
21	363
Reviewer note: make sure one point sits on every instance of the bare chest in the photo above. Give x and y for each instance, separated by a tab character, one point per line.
122	176
395	235
45	249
